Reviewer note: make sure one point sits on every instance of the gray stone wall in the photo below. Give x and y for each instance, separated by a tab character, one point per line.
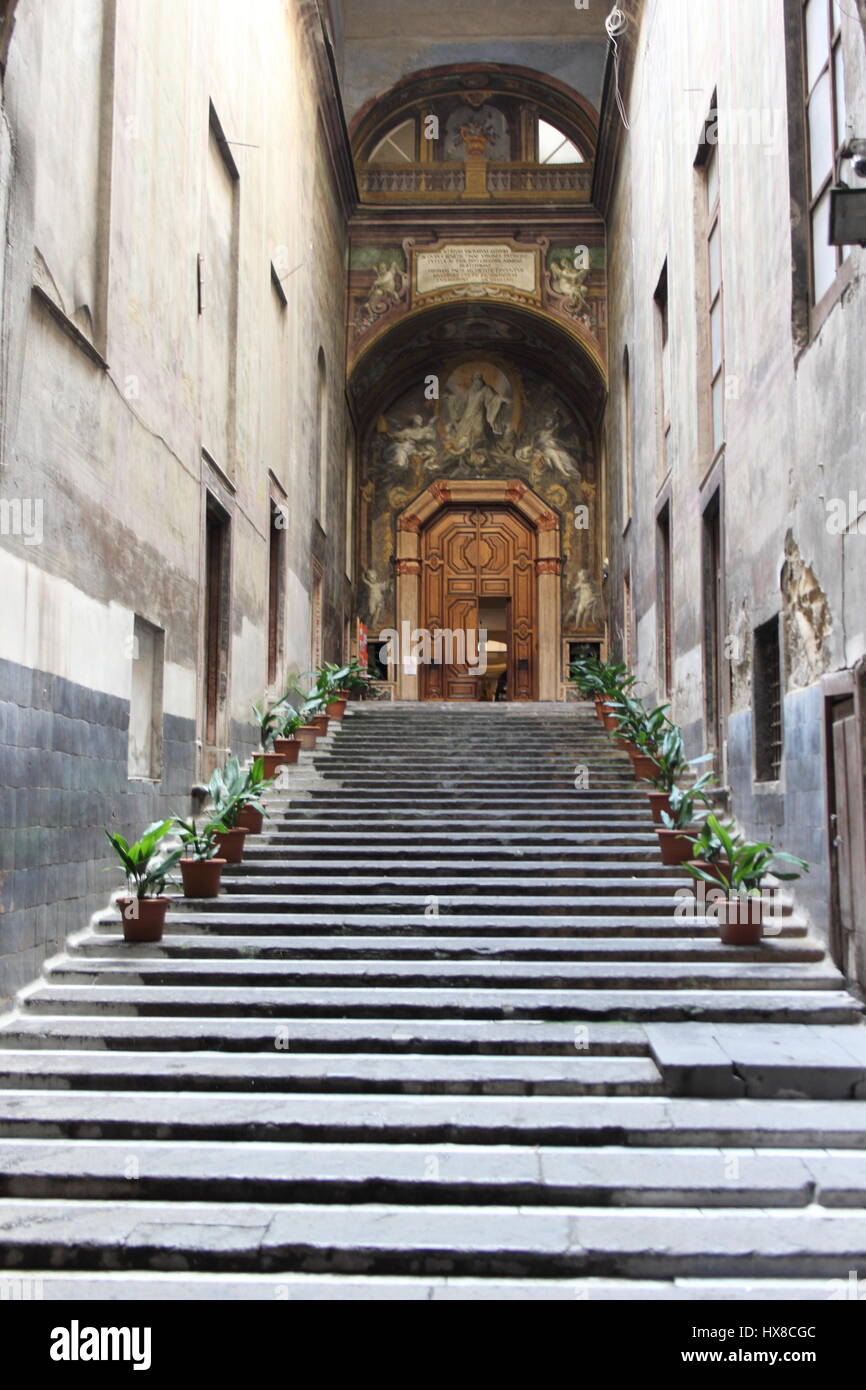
63	769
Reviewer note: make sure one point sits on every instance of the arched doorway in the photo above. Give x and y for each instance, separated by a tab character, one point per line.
468	549
478	577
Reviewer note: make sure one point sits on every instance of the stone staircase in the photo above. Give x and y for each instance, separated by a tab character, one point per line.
445	1035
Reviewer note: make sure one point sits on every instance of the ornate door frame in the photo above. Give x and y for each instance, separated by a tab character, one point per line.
548	566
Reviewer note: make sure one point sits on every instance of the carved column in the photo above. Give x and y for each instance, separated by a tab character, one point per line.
548	567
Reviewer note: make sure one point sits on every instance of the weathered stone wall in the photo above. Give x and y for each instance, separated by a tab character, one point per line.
794	409
103	365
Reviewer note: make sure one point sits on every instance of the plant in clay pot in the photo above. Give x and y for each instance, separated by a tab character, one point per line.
679	817
232	792
146	866
200	867
671	765
736	882
286	743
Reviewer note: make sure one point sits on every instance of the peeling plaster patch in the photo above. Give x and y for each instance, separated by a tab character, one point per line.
739	653
808	621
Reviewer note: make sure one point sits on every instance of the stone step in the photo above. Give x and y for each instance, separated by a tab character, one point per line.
261	865
446	904
579	1006
268	847
590	1121
290	1072
438	1174
538	947
235	1034
497	974
565	881
500	1241
205	916
99	1286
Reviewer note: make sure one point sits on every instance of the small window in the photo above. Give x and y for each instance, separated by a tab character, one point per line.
145	705
824	83
767	702
556	148
397	147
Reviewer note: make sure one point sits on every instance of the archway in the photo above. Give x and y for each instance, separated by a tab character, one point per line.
416	585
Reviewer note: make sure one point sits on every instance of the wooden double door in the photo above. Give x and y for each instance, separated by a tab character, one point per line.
472	559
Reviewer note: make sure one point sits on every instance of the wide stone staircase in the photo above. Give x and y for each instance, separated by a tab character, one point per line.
450	1033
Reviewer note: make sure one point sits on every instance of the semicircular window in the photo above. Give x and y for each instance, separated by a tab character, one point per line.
397	147
556	148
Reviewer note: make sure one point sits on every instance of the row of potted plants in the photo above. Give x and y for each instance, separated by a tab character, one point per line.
286	727
201	847
715	855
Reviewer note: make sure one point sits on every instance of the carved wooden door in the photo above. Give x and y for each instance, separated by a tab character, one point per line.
469	554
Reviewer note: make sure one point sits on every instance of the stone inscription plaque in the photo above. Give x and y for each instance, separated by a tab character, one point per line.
494	265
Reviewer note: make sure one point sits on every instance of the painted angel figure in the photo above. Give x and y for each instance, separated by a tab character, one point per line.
377	590
551	450
586	602
569	282
416	438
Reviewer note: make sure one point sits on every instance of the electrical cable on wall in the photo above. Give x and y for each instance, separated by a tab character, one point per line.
616	24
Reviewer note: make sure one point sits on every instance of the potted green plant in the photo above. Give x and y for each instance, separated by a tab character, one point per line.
256	783
232	791
738	900
648	741
331	683
287	744
709	850
671	764
307	732
357	680
678	818
146	867
200	867
270	720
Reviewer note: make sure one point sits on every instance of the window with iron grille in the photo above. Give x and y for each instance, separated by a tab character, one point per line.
767	702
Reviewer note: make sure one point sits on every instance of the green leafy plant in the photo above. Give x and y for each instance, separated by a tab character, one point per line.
199	843
291	721
231	790
684	801
748	862
269	719
144	864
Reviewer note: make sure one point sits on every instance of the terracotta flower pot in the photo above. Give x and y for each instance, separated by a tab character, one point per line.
146	919
336	709
723	864
250	819
740	921
659	802
609	717
231	844
289	749
201	877
306	736
320	722
645	768
675	847
272	764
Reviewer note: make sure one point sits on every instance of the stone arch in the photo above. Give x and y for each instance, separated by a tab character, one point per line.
544	520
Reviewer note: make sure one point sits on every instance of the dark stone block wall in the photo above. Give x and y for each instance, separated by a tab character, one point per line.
63	778
794	815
